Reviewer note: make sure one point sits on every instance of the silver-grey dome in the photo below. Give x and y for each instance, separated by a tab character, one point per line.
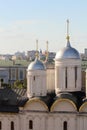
68	52
36	65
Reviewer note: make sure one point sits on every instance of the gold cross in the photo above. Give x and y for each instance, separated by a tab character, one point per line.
67	30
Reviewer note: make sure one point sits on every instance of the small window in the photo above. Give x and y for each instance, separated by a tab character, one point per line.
30	124
13	74
12	125
65	125
34	78
21	74
0	125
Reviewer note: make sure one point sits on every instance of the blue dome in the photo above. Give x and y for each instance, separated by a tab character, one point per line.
68	52
36	65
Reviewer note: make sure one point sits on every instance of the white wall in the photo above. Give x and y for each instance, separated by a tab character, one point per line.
50	80
44	120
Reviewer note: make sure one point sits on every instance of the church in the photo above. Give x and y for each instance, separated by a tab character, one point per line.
64	108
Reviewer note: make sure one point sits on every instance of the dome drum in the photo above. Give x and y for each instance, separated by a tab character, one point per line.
70	62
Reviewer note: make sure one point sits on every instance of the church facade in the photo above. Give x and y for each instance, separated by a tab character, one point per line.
64	108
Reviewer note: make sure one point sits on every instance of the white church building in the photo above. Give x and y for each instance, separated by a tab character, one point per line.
64	108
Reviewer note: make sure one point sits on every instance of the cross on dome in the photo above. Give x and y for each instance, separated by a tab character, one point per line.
67	30
37	48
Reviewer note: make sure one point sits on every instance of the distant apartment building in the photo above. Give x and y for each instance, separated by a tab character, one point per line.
31	55
5	56
51	55
19	56
84	55
86	51
11	71
42	55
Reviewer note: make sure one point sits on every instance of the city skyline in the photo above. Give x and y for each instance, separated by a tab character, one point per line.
23	22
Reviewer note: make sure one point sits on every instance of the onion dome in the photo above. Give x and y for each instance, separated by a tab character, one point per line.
36	65
67	52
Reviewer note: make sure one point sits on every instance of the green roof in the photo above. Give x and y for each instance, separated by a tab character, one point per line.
9	63
6	63
22	62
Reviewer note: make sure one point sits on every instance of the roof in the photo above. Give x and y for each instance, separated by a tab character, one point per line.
12	99
76	97
67	96
36	65
48	100
10	63
67	52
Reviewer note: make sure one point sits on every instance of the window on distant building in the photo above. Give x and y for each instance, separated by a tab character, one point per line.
21	74
0	125
30	124
12	125
65	125
13	74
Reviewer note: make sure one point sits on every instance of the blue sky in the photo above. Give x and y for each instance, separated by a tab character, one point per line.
24	21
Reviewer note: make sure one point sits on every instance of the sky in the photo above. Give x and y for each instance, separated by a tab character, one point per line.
22	22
